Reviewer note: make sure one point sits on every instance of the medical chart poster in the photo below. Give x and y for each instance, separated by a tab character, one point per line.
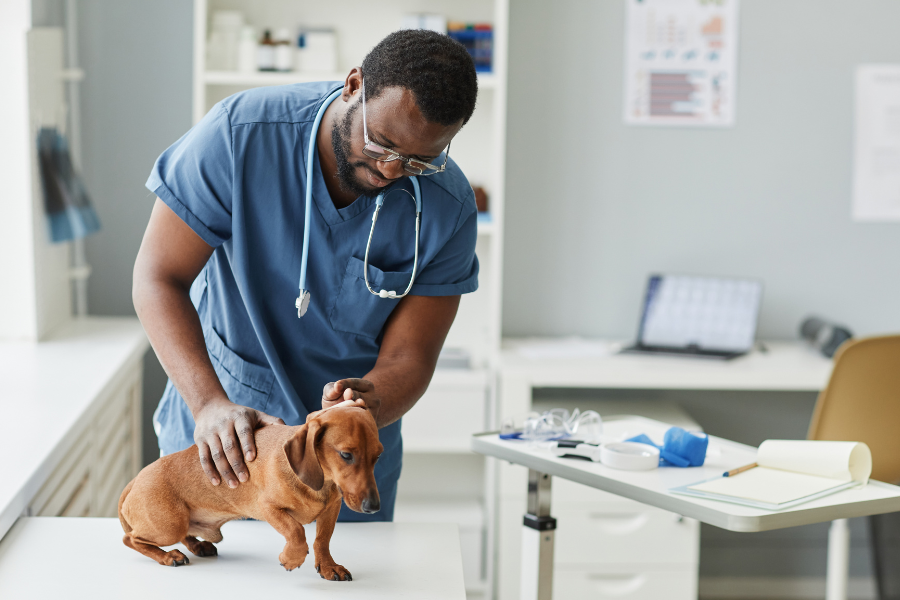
876	156
681	62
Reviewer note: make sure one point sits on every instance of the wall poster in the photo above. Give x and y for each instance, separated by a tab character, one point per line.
876	156
681	62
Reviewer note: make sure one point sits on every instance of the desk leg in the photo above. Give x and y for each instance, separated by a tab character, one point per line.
537	540
838	560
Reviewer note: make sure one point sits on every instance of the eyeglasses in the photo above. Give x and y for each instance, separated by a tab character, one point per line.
380	153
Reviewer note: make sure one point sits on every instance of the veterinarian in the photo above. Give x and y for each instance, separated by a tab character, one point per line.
216	278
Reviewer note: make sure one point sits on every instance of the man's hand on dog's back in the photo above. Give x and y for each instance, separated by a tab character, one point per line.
224	438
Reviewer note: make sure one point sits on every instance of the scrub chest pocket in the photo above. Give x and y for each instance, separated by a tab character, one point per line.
358	311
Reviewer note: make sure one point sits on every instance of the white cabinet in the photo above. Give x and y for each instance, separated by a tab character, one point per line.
454	407
104	455
610	547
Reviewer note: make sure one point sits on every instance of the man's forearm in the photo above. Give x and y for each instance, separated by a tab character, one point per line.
399	383
174	330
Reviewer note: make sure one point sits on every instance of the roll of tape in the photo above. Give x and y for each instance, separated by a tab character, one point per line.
629	456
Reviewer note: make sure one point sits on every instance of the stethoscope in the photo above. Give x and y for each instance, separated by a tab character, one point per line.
302	302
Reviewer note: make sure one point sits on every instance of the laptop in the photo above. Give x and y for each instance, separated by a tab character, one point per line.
698	316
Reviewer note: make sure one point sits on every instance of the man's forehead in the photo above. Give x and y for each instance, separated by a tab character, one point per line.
395	117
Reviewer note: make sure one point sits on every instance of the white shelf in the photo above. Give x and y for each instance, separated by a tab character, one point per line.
458	402
486	81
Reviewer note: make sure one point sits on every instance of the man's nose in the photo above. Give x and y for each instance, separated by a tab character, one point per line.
391	169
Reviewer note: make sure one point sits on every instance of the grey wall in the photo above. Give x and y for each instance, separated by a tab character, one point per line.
136	101
601	205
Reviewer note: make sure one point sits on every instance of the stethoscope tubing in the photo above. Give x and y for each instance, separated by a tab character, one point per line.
379	201
303	300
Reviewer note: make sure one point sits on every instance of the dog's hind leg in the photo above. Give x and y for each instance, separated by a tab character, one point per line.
199	548
173	558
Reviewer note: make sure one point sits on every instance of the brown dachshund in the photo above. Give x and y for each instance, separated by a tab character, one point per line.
299	476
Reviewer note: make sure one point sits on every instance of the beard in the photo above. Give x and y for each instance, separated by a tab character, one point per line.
341	132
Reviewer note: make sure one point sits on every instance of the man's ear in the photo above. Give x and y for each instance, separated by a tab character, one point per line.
302	455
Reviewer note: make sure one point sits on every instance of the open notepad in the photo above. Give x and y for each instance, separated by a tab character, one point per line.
790	472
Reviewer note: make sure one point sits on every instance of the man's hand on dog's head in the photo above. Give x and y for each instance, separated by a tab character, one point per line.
351	389
223	431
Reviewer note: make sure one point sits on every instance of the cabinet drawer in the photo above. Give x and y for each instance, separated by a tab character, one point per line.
565	491
630	584
631	533
445	417
59	488
80	503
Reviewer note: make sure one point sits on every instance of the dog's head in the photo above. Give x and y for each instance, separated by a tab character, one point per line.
341	444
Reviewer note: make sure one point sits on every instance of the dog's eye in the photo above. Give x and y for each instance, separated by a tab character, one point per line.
346	456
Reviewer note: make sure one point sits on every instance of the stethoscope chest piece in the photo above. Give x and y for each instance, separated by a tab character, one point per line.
302	303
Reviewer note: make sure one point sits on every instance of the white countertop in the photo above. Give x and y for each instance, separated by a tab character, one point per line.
48	390
75	558
574	362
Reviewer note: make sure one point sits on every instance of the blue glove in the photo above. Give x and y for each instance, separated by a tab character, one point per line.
680	448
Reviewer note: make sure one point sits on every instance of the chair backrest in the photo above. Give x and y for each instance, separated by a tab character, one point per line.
862	402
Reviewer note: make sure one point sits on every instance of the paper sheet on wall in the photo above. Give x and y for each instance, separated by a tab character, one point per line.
876	161
681	62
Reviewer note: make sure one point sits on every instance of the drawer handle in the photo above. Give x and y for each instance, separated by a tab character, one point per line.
617	585
620	523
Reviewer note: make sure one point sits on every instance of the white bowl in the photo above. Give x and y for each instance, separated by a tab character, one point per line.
629	456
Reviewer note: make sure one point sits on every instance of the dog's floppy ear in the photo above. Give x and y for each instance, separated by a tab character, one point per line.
302	455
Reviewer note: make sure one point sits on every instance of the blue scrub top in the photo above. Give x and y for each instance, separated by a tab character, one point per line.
238	180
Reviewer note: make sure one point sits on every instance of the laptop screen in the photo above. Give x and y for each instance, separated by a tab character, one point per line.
706	312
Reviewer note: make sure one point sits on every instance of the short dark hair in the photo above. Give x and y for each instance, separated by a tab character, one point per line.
435	68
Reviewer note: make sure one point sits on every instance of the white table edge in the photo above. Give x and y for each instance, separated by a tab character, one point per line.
684	506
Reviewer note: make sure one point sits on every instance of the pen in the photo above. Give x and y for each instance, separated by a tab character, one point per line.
734	472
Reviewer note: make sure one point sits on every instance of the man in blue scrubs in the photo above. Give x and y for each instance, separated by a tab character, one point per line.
216	277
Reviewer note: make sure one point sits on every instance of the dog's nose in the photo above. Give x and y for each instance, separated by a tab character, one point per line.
372	504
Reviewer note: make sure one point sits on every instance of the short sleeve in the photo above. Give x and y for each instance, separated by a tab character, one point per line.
454	269
194	177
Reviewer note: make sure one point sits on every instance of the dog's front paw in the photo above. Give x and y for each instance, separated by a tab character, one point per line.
291	561
174	558
334	573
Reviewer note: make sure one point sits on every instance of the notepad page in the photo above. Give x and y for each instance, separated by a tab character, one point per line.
773	486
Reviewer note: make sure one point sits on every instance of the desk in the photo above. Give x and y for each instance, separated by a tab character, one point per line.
526	364
651	487
84	558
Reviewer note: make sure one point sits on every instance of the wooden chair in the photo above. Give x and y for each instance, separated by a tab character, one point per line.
861	403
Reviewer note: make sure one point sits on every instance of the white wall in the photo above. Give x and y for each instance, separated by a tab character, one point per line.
136	101
18	319
602	205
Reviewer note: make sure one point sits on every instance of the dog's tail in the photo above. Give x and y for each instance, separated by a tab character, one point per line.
125	526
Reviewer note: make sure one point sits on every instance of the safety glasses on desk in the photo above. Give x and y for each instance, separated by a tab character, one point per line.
555	424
